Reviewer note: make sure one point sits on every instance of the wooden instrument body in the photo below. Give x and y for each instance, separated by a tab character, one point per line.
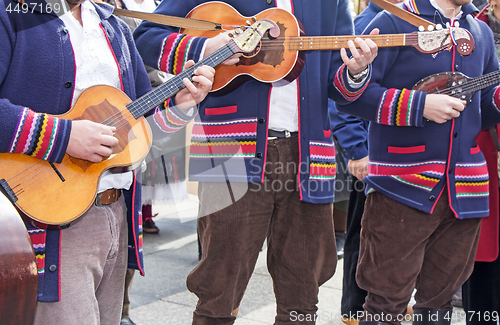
447	83
42	195
282	57
18	270
268	63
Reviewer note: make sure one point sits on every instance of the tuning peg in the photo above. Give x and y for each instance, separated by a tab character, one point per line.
421	28
448	25
230	35
439	27
254	19
457	24
248	22
430	28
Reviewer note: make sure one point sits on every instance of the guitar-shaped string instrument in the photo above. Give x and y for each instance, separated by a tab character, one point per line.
457	84
60	193
280	57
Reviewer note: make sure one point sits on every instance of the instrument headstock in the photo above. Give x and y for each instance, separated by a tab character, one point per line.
247	38
442	39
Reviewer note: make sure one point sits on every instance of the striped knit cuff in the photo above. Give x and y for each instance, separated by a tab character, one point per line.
177	49
401	107
37	237
342	84
41	136
170	118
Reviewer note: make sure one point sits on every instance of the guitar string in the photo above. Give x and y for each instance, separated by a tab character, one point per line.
475	84
138	106
301	43
488	78
224	52
118	119
113	120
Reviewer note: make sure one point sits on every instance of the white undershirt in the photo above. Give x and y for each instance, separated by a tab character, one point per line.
284	107
144	6
95	65
435	5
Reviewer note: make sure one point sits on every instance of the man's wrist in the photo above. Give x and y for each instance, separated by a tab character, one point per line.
359	76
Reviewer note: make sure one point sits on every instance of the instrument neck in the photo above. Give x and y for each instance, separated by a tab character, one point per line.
157	96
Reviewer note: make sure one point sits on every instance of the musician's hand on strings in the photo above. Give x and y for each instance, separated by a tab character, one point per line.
442	108
216	42
197	90
363	53
91	141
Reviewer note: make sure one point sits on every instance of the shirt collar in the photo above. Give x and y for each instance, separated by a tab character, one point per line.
431	11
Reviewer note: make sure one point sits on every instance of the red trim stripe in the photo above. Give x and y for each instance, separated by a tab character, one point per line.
25	132
475	150
315	150
221	110
403	106
406	150
114	56
228	148
267	130
44	140
377	170
169	42
471	171
415	179
226	129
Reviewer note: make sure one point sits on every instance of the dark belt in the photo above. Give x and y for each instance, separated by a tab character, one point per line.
280	134
108	197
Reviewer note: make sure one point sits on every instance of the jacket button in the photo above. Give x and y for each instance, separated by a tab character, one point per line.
68	84
455	134
65	30
432	198
53	268
457	67
269	2
450	171
261	120
259	154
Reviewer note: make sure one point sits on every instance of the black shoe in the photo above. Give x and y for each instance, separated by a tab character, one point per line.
149	226
340	241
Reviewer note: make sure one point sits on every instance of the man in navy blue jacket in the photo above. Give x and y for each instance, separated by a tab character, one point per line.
268	147
81	265
427	179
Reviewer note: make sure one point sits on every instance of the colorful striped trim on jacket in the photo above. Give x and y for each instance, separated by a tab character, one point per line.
411	6
36	134
176	50
424	175
37	237
323	165
169	118
400	108
233	138
348	92
471	179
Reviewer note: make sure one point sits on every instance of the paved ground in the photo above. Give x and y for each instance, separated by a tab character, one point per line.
161	297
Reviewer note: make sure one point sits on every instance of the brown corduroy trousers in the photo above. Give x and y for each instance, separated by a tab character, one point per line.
403	249
301	252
